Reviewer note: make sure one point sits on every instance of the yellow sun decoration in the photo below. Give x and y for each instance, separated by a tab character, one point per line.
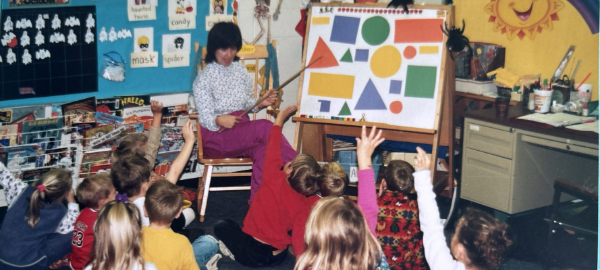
523	17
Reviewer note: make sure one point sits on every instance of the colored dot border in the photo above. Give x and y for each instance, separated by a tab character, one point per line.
378	11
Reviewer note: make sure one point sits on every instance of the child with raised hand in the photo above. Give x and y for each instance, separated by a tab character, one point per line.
398	229
117	245
479	242
264	238
332	180
93	192
341	235
37	228
222	92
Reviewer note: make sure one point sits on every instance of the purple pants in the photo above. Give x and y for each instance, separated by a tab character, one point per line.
246	139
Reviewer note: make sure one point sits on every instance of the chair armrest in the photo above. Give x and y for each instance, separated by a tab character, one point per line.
194	116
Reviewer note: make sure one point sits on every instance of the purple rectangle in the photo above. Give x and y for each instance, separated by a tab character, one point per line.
361	55
344	29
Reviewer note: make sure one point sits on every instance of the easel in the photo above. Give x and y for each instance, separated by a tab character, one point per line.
311	133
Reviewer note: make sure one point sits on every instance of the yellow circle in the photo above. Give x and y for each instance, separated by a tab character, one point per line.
386	61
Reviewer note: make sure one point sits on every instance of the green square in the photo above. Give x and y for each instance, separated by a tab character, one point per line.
420	81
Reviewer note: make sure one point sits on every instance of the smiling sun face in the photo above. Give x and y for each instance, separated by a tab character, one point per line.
523	17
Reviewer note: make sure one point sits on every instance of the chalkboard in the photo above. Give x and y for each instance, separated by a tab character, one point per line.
46	52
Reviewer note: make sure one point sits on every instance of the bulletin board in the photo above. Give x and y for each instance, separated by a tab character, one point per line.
375	62
48	53
138	81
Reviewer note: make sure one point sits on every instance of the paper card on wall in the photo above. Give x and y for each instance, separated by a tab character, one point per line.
214	19
217	6
141	10
181	22
144	59
176	50
182	7
143	39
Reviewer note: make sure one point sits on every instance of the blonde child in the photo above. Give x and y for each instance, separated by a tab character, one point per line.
166	249
479	242
264	238
93	192
332	180
118	232
36	230
398	229
341	235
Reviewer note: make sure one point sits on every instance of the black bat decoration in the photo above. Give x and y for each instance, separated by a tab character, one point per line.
456	41
403	3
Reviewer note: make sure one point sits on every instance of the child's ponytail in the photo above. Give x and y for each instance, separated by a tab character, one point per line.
52	187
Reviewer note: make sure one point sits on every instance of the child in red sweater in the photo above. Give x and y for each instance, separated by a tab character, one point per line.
264	238
94	192
332	181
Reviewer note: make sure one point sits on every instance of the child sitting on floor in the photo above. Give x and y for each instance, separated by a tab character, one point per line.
398	229
163	247
479	242
118	230
264	238
341	235
37	228
93	192
332	180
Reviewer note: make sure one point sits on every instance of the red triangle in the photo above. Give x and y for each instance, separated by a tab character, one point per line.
327	57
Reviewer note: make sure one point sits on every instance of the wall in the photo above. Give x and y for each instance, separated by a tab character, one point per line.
544	53
113	13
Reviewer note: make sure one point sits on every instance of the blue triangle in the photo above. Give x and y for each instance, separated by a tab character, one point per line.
370	99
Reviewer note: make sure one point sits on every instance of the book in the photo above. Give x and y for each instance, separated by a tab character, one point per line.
134	101
36	111
91	158
56	110
9	132
6	116
19	121
22	157
4	158
101	169
170	114
93	134
51	127
46	143
171	133
164	161
61	157
34	175
109	106
80	111
171	145
137	114
106	118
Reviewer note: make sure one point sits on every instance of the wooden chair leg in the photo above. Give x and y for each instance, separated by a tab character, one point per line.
206	189
201	183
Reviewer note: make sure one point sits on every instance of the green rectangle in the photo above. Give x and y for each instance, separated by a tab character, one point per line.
420	81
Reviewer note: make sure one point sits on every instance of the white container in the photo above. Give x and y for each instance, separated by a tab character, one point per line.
542	100
475	87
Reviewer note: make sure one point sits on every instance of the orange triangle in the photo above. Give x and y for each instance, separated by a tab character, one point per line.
327	57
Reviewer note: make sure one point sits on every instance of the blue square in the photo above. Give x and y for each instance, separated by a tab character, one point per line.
344	29
361	55
395	87
325	105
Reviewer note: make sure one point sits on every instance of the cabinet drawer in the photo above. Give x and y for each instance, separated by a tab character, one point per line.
486	179
489	138
570	146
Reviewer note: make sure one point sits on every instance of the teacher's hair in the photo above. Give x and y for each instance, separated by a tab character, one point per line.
223	35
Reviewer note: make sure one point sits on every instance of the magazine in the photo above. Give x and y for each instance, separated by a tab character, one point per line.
6	116
95	133
80	111
62	157
171	145
22	157
137	114
105	118
108	106
9	132
43	128
91	158
34	174
171	113
164	161
171	133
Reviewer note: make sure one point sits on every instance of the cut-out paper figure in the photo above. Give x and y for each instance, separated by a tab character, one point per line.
112	35
9	39
90	22
24	23
0	58
18	25
42	54
120	34
57	37
25	40
26	57
127	33
103	35
40	22
11	57
27	23
39	38
144	43
8	24
55	22
89	36
179	43
72	38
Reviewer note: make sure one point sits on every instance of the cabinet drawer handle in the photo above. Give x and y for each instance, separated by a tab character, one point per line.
568	147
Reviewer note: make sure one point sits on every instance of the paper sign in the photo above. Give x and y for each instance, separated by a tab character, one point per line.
144	59
180	22
247	49
141	12
176	59
214	19
251	68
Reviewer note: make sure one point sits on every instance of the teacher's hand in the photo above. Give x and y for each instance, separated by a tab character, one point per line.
226	121
272	96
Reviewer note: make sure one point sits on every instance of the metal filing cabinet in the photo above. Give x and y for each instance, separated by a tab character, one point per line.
513	170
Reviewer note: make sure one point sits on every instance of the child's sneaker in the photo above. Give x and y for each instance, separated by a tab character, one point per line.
212	263
225	250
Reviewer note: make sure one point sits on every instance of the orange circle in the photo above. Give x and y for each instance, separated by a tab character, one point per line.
396	107
410	52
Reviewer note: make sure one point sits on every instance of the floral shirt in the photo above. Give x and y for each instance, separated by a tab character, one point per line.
220	90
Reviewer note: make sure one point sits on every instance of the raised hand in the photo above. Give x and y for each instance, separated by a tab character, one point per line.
422	161
156	107
187	131
366	145
283	114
